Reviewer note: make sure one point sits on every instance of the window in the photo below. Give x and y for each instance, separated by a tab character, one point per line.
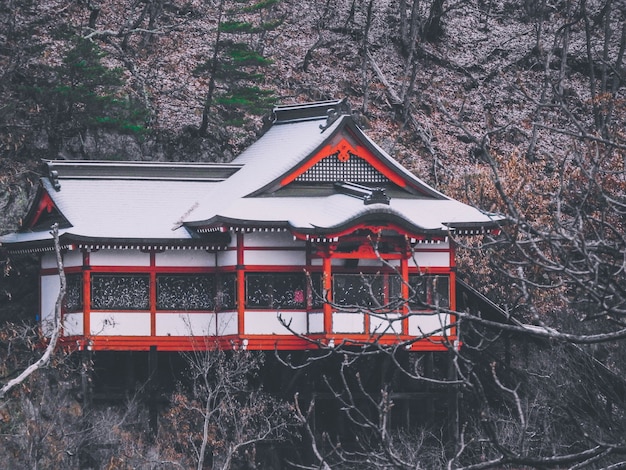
366	290
226	291
74	292
429	290
185	292
120	292
276	290
316	287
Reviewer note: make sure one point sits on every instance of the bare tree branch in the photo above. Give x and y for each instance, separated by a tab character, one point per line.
57	324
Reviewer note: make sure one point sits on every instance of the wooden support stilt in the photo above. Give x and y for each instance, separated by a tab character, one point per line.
453	407
86	378
152	391
429	370
130	377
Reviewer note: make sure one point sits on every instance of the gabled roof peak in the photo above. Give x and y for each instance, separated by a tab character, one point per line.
329	110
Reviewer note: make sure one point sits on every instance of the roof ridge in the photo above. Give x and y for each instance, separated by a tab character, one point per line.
314	110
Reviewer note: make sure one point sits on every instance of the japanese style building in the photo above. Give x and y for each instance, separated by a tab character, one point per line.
312	236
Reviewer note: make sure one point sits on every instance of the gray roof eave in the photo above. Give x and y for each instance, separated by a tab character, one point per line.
375	213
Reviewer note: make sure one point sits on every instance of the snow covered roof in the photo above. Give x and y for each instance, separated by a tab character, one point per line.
313	172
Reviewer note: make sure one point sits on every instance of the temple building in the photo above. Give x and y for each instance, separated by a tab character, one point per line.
313	236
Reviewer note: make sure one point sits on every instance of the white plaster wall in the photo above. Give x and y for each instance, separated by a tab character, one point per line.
187	258
430	258
227	323
316	322
73	324
269	239
120	323
348	322
119	258
70	259
389	324
186	324
226	258
274	257
424	324
370	262
50	287
269	323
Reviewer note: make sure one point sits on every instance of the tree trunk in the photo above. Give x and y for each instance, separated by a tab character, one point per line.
208	100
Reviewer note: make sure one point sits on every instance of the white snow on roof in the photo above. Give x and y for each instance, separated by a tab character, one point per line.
148	209
338	209
123	209
280	149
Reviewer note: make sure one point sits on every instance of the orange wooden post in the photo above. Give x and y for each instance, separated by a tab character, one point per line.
328	296
153	296
405	292
241	285
86	294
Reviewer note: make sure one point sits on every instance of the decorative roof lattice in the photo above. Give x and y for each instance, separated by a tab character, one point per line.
335	168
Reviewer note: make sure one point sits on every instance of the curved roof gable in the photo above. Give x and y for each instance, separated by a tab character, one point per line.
344	153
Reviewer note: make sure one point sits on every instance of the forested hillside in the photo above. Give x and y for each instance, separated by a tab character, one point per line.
516	106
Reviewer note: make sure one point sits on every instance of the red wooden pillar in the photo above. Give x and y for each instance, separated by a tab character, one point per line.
86	294
328	295
405	292
241	285
152	293
452	289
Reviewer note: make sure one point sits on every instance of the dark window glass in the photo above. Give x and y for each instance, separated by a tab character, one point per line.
74	292
362	290
429	291
185	292
394	281
316	288
227	291
276	290
120	292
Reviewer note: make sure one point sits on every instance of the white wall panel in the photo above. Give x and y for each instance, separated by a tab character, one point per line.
389	324
430	258
186	324
119	258
50	287
187	258
120	323
73	324
227	323
316	322
423	324
48	260
226	258
269	239
269	323
70	259
348	323
274	257
370	262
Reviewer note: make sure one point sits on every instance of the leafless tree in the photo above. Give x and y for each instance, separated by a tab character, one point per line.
226	416
55	328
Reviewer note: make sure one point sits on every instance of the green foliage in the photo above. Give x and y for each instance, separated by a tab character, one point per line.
235	27
83	92
262	5
241	54
238	62
251	98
